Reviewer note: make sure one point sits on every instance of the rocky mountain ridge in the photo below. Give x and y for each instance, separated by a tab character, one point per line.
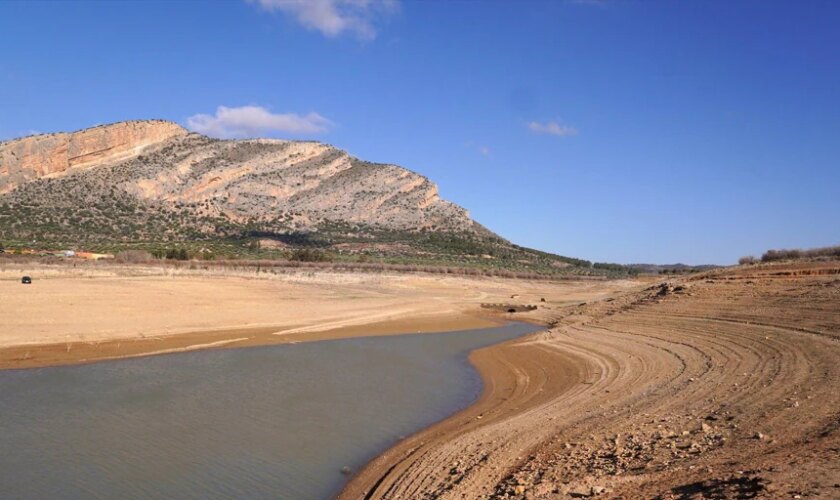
154	186
44	155
159	162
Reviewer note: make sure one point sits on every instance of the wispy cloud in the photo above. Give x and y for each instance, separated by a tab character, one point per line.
335	17
552	128
480	149
252	121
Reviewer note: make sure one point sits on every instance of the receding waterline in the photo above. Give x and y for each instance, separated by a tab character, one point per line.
264	422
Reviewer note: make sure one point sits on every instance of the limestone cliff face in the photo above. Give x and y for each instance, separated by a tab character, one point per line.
304	181
29	158
292	184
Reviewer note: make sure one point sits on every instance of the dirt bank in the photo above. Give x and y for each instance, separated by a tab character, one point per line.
722	386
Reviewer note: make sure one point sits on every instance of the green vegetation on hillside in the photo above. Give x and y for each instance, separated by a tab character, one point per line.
159	206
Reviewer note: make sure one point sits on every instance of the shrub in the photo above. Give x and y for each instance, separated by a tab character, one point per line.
171	253
773	255
747	260
133	256
609	266
310	255
796	254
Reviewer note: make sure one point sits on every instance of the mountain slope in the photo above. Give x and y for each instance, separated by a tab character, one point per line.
150	182
159	162
47	155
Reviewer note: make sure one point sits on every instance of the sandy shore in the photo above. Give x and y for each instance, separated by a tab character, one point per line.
72	316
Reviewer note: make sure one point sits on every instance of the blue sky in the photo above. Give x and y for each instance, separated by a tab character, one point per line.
625	131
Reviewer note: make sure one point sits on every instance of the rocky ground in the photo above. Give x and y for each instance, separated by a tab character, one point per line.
725	385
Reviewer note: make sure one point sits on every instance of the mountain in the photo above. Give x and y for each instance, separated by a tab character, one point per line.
152	182
157	162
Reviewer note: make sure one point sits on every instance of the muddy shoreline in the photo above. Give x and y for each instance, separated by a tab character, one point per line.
70	353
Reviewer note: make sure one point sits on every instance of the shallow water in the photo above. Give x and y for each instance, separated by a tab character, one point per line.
264	422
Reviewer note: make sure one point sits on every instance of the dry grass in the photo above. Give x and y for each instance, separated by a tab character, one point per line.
134	257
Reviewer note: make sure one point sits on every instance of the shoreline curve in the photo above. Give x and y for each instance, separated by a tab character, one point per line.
81	352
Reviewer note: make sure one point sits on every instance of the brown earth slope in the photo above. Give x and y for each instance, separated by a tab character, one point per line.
721	386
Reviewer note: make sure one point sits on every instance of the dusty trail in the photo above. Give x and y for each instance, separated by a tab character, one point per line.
722	385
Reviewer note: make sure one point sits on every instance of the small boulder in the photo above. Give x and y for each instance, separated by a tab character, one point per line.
598	490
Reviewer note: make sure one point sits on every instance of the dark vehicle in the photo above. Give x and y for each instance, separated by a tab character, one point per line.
26	280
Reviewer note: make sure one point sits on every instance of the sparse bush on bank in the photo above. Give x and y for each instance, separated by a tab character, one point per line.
798	254
310	255
283	266
170	253
133	256
616	268
747	260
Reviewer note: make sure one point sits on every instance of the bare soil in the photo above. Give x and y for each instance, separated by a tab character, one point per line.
725	385
82	315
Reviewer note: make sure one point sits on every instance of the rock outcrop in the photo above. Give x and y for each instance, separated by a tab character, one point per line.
159	166
30	158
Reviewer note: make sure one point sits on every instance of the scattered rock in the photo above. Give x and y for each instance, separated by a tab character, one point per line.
580	492
544	488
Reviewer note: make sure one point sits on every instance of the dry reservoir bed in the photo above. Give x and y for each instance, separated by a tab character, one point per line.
79	315
721	386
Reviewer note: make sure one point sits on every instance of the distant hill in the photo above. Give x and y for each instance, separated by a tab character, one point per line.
670	268
152	184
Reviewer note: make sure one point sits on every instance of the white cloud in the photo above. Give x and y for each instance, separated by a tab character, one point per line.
334	17
552	128
252	121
